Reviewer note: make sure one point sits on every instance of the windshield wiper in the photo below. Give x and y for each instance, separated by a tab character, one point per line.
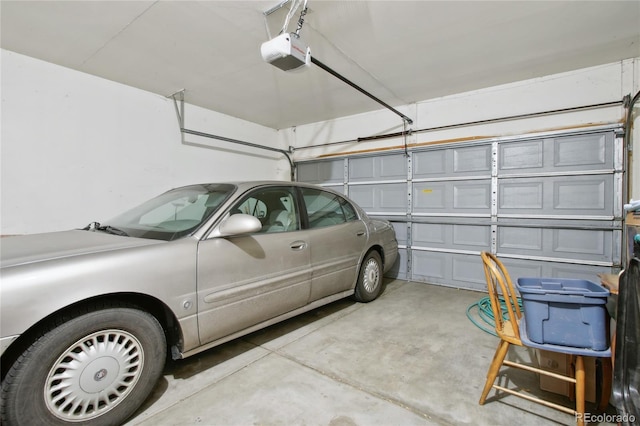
111	230
95	226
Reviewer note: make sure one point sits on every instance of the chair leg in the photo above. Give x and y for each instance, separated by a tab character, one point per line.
580	390
494	368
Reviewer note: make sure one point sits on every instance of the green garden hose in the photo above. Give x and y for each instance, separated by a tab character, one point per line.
485	313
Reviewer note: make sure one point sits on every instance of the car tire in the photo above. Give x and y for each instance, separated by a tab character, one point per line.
369	283
96	366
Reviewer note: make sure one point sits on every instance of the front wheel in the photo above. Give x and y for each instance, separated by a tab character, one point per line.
369	282
96	368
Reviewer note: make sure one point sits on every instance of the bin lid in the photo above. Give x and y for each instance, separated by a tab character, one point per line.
560	286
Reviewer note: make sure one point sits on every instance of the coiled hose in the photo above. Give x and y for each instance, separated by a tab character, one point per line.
485	313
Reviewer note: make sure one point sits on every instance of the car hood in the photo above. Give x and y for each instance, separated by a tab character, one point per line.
24	249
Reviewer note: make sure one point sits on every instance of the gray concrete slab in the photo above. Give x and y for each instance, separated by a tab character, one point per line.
411	357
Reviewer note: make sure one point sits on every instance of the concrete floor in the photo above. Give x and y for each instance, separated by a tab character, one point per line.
412	357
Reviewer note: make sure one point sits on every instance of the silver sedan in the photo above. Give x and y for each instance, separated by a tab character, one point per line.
89	316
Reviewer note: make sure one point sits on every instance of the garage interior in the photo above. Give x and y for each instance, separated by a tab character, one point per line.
503	128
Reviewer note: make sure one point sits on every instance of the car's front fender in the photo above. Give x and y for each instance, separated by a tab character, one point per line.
165	271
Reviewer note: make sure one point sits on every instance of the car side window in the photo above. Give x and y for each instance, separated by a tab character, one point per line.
326	209
274	207
252	206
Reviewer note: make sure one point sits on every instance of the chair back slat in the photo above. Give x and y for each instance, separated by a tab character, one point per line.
499	284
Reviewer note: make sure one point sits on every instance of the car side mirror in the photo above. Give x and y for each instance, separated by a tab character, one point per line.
238	224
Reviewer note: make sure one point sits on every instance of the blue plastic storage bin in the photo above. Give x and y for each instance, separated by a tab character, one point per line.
567	312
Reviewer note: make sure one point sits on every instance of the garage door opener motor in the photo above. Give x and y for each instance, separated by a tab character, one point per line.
287	51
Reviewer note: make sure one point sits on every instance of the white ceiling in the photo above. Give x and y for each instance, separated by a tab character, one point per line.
399	51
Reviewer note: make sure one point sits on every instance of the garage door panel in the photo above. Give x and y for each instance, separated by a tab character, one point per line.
473	159
429	234
521	194
455	162
557	155
578	244
520	240
523	268
429	266
472	195
468	269
583	152
583	194
582	242
458	270
451	236
430	164
401	232
587	196
471	236
578	271
388	167
381	198
519	268
522	155
430	197
321	172
457	197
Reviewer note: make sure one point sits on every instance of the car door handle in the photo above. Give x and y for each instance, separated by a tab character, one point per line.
298	245
360	233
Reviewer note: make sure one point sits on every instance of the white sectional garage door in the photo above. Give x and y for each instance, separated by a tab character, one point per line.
547	205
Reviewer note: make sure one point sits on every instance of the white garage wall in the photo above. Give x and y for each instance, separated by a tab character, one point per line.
77	148
601	84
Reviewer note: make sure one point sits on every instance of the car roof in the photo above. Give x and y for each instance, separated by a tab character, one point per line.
246	185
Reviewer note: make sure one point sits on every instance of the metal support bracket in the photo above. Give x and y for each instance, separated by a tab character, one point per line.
178	101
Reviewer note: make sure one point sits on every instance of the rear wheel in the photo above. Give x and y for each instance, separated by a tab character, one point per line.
96	367
369	282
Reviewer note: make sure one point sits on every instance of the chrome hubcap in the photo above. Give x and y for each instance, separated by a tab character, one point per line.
371	276
94	375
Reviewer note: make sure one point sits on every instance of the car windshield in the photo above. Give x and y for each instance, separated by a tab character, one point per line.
172	215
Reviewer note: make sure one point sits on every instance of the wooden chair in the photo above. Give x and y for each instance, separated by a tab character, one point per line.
512	331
